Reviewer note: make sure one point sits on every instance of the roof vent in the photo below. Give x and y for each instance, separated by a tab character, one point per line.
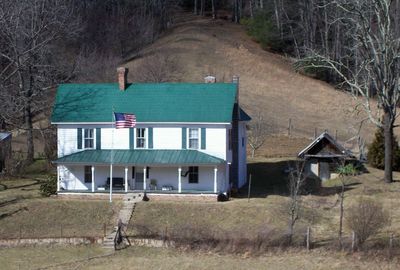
122	78
210	79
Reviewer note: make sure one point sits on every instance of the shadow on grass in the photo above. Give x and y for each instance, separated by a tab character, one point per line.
269	178
13	212
34	183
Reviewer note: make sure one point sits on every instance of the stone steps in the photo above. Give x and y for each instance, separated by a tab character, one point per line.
125	214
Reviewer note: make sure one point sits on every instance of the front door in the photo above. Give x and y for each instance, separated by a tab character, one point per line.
139	178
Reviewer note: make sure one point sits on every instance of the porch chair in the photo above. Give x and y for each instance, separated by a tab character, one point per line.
153	184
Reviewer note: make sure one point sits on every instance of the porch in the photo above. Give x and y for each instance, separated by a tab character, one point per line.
195	173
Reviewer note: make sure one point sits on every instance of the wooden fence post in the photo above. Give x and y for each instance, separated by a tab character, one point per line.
308	239
391	245
61	231
290	127
336	134
249	189
353	241
315	133
105	229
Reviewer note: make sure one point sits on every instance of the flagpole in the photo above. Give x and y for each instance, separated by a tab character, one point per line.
111	153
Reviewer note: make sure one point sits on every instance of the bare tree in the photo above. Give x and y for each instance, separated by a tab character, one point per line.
30	64
157	68
297	179
257	133
370	25
344	172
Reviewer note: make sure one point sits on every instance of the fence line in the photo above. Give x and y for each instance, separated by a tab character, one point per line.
55	231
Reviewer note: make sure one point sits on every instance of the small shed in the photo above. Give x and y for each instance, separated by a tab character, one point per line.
5	151
324	155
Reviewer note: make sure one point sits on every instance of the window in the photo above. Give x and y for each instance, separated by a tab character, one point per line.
140	138
193	138
88	137
133	172
88	174
193	175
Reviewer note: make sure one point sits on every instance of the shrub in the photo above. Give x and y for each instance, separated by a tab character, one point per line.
49	186
366	217
376	152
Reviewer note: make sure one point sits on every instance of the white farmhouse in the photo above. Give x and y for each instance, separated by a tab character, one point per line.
188	138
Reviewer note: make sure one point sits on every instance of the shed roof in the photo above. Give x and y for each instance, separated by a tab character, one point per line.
150	102
318	150
141	157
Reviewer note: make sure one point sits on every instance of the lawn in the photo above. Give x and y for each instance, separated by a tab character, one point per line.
160	258
25	213
265	210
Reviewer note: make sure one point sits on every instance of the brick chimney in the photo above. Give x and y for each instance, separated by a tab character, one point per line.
122	77
210	79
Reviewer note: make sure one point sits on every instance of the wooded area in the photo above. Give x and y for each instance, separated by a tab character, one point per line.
47	42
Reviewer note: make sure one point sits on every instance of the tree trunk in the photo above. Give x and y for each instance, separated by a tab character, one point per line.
341	217
388	132
213	9
29	133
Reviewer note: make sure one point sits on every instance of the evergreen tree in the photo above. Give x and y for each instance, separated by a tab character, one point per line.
376	152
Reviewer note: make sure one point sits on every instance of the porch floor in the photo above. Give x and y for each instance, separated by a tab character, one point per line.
120	191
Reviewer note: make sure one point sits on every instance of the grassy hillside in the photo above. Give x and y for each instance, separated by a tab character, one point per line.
200	46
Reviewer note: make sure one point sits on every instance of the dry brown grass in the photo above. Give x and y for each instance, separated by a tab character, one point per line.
268	83
159	258
241	218
24	213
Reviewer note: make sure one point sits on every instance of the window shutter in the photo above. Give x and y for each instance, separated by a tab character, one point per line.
150	138
131	139
79	138
98	138
203	138
183	138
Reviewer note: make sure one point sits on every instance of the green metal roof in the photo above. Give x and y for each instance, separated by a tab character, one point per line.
150	102
141	157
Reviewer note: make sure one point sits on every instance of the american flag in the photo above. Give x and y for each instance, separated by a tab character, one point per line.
124	120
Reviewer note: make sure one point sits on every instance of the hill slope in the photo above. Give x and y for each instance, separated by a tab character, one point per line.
268	83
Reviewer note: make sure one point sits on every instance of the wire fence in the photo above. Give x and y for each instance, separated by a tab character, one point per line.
55	231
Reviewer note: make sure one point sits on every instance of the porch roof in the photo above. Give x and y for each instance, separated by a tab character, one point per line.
140	157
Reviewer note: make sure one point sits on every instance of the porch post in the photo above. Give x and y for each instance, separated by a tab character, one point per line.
126	179
179	179
144	178
58	178
92	178
111	181
215	179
